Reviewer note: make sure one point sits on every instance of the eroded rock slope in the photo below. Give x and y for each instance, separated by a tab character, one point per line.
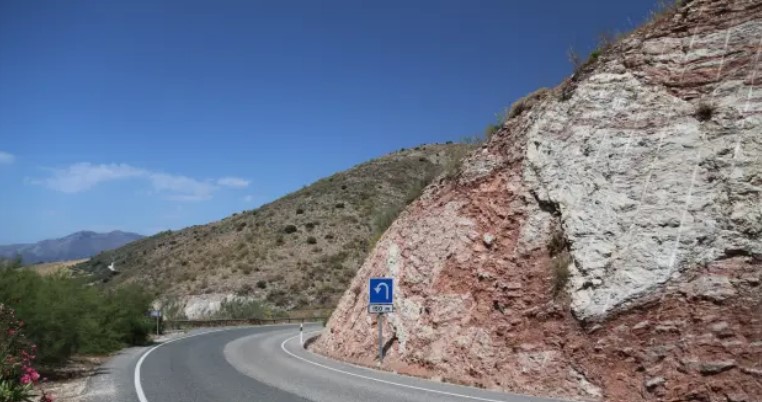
606	243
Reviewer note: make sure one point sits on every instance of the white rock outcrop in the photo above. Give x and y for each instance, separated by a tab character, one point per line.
645	189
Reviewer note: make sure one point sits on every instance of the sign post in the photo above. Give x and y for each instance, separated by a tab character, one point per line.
380	338
157	314
381	299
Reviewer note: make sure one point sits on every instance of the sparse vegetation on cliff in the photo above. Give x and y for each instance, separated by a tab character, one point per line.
704	111
560	269
558	249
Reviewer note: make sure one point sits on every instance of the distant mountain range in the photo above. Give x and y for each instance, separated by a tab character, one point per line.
77	245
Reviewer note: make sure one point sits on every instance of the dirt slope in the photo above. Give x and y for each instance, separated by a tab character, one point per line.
606	244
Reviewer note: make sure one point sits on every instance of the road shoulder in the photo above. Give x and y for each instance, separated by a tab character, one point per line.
296	370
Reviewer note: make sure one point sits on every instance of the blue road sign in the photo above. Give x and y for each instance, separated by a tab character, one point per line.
381	290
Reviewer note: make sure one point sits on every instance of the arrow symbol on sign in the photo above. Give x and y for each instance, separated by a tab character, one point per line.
386	287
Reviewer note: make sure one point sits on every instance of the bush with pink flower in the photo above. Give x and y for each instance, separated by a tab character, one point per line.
18	377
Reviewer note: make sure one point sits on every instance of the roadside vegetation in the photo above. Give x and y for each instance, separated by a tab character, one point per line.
18	377
63	316
241	309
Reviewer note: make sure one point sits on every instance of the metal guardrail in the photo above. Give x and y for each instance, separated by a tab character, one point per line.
179	324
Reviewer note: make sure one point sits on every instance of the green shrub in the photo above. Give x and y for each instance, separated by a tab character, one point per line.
262	284
289	229
340	205
311	240
63	316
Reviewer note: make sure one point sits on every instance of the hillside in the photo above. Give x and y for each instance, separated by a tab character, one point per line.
299	251
50	268
75	246
605	244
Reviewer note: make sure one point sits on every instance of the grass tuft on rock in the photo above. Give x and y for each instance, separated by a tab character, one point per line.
560	269
704	112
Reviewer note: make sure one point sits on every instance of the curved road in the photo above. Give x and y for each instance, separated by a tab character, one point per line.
262	364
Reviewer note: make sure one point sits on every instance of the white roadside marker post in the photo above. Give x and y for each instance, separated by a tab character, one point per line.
301	334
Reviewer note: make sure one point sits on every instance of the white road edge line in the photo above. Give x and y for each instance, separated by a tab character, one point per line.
283	346
138	386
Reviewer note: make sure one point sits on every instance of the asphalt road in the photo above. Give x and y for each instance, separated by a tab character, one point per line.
261	364
195	369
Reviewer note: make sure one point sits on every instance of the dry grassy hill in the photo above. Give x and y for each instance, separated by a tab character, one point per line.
50	268
298	251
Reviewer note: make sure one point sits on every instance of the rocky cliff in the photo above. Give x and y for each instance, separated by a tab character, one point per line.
606	243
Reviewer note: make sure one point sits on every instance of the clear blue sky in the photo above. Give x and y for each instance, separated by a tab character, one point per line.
148	115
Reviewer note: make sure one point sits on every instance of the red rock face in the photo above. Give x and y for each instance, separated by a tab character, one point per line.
481	298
